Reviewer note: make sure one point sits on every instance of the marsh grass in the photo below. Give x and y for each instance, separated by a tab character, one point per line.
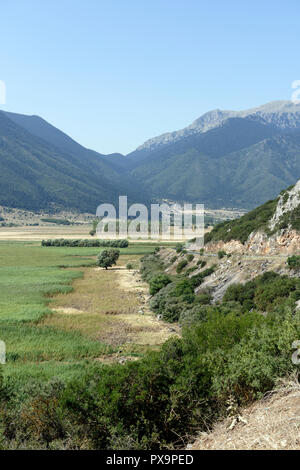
41	343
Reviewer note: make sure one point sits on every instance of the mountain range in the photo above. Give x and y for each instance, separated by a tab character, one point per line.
41	167
223	159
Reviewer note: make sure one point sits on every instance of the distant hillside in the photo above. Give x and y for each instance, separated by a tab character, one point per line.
225	159
283	114
240	163
40	128
40	166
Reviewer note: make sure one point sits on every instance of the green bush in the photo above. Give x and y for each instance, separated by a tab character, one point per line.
264	292
197	280
181	265
86	243
179	247
190	270
221	254
158	282
151	265
294	262
201	263
190	257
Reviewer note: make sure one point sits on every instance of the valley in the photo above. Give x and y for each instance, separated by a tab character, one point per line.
149	352
225	159
182	331
149	229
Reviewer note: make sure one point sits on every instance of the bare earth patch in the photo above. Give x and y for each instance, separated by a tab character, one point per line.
111	306
269	424
68	311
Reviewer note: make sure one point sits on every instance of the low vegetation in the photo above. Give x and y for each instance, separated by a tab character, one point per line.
86	243
157	402
294	262
59	398
240	229
56	221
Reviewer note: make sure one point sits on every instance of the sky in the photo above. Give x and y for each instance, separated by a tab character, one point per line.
115	73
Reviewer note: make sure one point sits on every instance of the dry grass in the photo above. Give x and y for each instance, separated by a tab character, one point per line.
111	307
88	307
45	232
272	423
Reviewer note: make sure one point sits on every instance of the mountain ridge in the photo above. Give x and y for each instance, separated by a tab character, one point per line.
233	159
35	174
215	117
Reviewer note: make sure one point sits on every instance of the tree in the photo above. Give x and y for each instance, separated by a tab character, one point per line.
108	258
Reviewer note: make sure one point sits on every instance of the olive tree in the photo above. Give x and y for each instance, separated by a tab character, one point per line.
108	258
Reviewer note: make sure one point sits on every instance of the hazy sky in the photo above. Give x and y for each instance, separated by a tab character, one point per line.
114	73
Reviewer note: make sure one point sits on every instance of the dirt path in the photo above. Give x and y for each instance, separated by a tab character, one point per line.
111	306
152	331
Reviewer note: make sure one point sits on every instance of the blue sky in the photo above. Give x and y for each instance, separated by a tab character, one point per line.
114	73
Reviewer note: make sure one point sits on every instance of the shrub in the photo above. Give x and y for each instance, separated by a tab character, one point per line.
264	292
179	247
190	258
294	262
197	280
201	263
182	287
129	266
221	254
86	243
181	265
151	265
158	282
190	270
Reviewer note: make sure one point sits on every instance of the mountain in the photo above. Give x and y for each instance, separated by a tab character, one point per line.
284	114
232	159
40	167
225	158
40	128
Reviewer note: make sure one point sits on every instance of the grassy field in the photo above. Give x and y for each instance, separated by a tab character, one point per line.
58	313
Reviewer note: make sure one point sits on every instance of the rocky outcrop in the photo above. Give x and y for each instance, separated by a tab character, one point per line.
283	114
273	239
288	201
259	243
